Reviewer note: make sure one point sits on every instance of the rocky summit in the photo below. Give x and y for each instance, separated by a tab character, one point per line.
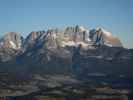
65	51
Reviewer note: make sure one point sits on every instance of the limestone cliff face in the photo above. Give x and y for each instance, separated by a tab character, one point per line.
12	40
10	46
43	45
57	51
102	37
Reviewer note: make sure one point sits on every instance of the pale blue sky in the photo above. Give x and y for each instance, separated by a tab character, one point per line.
24	16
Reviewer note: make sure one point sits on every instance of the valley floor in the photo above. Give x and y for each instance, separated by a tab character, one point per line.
64	87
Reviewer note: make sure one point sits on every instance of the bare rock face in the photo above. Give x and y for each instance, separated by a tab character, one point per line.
11	40
102	37
77	33
56	50
31	39
70	36
10	46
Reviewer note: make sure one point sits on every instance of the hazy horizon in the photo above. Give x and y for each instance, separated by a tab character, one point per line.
24	16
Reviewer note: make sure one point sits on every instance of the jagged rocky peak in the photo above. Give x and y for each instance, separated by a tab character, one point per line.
76	28
32	38
41	39
100	36
56	42
101	30
76	35
11	40
34	35
51	38
72	36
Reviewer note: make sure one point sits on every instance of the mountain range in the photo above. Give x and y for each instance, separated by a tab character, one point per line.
71	50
